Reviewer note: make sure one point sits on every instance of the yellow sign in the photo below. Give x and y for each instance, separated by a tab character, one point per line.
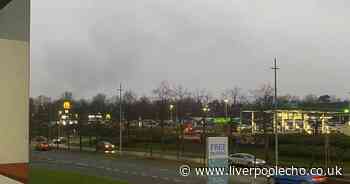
66	105
108	116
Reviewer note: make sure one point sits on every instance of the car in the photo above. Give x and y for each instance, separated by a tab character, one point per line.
56	141
334	128
105	147
242	127
40	139
63	139
60	140
307	179
245	159
42	146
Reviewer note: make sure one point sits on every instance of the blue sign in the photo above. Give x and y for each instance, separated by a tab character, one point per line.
217	149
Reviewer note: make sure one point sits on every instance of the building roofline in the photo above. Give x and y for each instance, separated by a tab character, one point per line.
295	111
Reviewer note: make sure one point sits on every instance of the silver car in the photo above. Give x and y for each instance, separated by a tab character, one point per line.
245	159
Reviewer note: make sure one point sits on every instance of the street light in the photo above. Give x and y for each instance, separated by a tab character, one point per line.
275	68
120	119
205	110
226	108
171	112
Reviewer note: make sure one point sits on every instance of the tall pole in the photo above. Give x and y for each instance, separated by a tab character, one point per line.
348	112
226	108
275	68
171	107
120	120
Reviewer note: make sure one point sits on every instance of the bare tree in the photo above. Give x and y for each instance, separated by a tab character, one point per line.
180	94
203	96
98	103
234	95
310	98
164	91
263	100
263	96
129	97
129	100
163	95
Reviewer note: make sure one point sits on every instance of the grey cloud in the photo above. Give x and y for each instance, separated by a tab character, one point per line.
89	46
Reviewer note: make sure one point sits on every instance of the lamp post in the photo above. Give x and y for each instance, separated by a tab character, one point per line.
58	129
171	112
120	119
226	108
205	110
275	68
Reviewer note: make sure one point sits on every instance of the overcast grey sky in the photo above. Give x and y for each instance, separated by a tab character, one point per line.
90	46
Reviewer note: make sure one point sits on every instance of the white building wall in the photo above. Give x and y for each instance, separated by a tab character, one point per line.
14	92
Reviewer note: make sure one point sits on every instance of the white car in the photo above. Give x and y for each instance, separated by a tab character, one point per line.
245	159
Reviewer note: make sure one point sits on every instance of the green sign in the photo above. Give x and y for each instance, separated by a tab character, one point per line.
222	120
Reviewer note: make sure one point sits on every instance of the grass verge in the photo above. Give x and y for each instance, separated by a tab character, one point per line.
45	176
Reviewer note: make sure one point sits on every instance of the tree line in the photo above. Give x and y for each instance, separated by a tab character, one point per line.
186	103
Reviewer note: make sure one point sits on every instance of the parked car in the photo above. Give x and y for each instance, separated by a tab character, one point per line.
245	159
40	139
334	128
307	179
42	146
105	147
56	141
242	127
60	140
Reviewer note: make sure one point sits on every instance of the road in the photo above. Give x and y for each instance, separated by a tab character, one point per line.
134	170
